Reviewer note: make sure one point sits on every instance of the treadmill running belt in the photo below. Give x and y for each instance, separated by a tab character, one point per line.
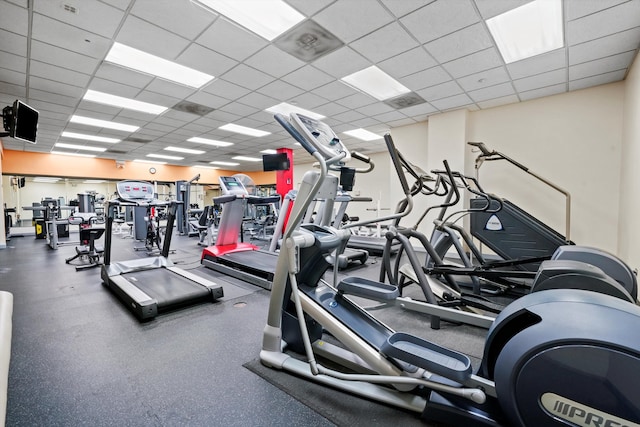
167	287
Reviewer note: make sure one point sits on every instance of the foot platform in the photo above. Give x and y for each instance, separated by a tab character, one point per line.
427	355
366	288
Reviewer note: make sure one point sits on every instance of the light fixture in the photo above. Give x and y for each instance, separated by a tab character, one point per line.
119	101
286	109
79	147
267	18
94	181
247	159
269	151
243	130
146	63
206	167
216	162
163	156
155	162
46	179
362	134
184	150
90	137
529	30
375	82
102	123
64	153
206	141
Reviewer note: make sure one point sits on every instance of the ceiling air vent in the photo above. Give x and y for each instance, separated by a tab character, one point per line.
193	108
308	41
404	101
203	161
138	140
70	9
116	151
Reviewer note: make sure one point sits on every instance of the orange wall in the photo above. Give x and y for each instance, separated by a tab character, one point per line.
46	164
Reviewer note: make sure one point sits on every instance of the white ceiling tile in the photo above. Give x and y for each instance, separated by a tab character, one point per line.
239	109
440	91
484	79
55	87
308	78
452	102
426	78
476	62
248	77
339	19
207	99
375	109
538	64
407	63
440	18
182	17
231	40
13	90
223	117
493	92
165	87
620	61
101	109
490	8
308	100
113	88
274	61
14	18
280	90
202	59
308	8
116	73
599	79
120	4
574	9
334	91
68	37
53	98
393	115
607	22
144	36
348	116
541	80
225	89
401	122
13	77
384	43
63	75
605	46
13	43
331	109
92	16
63	58
356	100
258	100
542	92
418	110
342	62
461	43
497	102
401	8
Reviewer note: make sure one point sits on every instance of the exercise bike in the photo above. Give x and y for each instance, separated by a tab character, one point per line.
555	357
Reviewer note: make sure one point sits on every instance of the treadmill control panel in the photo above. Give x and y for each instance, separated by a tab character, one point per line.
320	135
231	185
135	191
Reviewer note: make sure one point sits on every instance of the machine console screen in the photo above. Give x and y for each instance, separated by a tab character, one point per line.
135	190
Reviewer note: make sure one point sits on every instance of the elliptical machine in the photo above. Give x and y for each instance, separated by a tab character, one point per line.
556	357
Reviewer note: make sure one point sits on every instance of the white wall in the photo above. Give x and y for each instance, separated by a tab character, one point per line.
629	224
575	141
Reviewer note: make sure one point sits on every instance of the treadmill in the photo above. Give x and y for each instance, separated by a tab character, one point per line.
241	260
152	285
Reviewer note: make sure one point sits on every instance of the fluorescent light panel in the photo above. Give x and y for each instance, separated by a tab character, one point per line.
79	147
246	159
184	150
269	151
93	181
267	18
224	163
72	154
362	134
90	137
146	63
243	130
287	109
121	102
103	123
375	82
154	162
528	30
206	167
45	179
163	156
206	141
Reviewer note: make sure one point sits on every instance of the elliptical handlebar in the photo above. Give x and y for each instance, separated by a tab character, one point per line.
294	133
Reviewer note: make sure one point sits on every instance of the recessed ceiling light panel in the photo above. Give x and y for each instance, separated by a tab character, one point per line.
207	141
244	130
89	137
375	82
103	123
363	134
79	147
216	162
121	102
247	159
164	156
286	109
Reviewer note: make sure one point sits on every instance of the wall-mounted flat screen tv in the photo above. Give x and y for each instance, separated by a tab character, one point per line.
275	162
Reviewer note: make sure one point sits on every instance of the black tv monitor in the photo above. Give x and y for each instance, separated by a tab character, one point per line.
21	121
275	162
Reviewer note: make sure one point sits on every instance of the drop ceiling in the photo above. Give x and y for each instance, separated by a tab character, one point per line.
52	52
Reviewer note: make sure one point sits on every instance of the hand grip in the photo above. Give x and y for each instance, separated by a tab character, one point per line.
294	133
